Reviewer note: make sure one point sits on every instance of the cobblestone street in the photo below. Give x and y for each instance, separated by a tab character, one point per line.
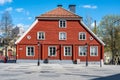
30	71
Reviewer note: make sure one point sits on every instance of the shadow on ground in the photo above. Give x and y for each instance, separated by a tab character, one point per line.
112	77
8	61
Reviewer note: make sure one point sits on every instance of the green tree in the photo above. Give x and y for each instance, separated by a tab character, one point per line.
109	30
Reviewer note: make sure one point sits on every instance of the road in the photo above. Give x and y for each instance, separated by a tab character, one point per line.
30	71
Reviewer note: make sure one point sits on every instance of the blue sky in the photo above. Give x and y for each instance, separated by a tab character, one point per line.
23	12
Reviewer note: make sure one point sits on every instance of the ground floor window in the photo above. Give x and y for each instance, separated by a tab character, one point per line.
82	51
52	51
30	51
94	50
67	51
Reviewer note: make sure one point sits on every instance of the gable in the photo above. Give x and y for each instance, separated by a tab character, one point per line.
92	33
29	29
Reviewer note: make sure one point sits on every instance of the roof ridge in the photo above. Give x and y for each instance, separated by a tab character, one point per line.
59	12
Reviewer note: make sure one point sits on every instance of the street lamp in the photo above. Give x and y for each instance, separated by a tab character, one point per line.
38	63
86	47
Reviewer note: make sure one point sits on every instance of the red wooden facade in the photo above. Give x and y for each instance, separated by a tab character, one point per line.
49	23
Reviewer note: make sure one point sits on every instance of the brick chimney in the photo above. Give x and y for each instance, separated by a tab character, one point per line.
59	5
72	8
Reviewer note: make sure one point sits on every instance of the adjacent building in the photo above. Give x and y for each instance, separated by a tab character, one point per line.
60	34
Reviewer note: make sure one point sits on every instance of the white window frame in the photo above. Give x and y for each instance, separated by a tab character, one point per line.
70	50
82	51
49	51
62	38
30	50
62	23
82	35
39	33
91	50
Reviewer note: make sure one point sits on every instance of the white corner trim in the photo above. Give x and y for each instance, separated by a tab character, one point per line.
92	33
33	24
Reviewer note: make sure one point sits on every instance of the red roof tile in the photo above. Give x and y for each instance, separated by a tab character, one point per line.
59	13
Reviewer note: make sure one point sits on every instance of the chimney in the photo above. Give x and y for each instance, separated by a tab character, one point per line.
72	8
59	5
95	27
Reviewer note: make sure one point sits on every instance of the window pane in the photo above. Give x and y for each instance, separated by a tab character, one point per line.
82	50
67	51
41	35
82	35
52	51
62	36
93	50
62	23
30	51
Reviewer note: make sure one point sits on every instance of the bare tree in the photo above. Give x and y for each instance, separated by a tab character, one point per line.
88	21
6	27
6	23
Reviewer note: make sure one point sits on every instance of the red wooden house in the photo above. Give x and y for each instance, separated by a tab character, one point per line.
59	35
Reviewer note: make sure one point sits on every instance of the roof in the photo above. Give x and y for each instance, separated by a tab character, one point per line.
59	12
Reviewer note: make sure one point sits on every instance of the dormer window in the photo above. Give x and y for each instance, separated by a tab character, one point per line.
62	23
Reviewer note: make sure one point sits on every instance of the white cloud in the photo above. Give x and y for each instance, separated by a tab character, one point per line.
29	18
23	25
90	6
2	2
93	24
22	10
9	9
19	9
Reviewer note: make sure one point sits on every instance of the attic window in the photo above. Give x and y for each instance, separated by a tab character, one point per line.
62	23
41	35
82	36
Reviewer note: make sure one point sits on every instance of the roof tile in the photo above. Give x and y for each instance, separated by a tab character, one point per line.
59	12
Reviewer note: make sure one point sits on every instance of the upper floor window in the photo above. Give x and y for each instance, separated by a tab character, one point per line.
82	36
94	50
30	51
62	36
41	35
62	23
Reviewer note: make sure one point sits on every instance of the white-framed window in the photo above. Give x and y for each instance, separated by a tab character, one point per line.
82	51
67	51
52	51
30	51
82	36
41	35
62	36
62	23
93	50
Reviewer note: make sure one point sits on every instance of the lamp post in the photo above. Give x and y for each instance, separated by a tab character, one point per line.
38	63
86	46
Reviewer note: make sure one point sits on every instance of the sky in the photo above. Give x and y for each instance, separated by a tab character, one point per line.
23	12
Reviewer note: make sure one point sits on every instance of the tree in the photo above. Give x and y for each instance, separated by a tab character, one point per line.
6	27
88	21
6	23
109	30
